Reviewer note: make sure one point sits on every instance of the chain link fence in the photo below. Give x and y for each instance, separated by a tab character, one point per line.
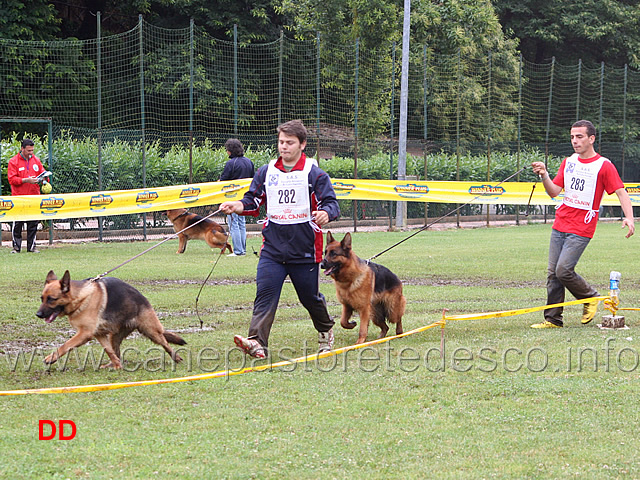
181	93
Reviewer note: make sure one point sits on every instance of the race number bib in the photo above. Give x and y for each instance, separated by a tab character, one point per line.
288	195
580	181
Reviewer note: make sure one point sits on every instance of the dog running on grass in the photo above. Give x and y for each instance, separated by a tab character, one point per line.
207	230
374	291
107	309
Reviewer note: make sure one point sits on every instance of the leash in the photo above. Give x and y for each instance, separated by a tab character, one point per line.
203	284
447	215
156	245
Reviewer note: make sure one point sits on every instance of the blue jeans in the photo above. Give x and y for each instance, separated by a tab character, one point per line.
270	278
238	232
565	250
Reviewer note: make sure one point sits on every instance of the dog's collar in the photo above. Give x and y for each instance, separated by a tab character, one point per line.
183	214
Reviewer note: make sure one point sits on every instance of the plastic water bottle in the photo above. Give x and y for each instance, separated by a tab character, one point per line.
614	288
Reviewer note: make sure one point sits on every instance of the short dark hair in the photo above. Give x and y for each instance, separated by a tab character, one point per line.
234	147
294	128
27	142
591	129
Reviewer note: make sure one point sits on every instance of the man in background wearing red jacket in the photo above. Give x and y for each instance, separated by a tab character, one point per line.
22	172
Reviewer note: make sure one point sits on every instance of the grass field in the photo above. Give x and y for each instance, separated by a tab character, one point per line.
505	402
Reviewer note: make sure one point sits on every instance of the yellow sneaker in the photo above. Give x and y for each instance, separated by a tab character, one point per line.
545	324
589	311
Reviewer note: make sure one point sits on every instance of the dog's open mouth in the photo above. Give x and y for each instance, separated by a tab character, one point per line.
54	315
329	269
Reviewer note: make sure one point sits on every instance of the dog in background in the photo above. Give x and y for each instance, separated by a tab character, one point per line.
107	309
372	290
207	230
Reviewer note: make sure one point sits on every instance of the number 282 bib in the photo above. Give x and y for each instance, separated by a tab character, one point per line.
288	195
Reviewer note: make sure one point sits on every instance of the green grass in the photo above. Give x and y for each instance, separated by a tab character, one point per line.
507	402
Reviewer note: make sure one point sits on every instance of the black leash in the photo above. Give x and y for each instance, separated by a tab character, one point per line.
156	245
449	214
204	283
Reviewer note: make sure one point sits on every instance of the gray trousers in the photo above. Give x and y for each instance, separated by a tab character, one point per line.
565	249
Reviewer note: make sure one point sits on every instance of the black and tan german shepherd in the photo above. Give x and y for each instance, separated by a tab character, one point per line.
207	230
106	309
374	291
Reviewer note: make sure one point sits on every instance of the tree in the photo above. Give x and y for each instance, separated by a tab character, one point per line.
593	30
28	20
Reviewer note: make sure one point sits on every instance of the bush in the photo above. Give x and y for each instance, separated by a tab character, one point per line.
75	165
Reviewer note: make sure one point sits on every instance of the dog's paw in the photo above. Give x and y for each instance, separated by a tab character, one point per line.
348	325
49	359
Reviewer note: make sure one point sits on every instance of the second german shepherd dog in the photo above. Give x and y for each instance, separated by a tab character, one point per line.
374	291
107	309
207	230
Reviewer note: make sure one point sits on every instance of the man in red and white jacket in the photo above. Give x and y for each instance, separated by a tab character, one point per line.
584	177
22	172
300	199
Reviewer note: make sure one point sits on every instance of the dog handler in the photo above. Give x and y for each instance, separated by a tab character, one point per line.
584	177
299	198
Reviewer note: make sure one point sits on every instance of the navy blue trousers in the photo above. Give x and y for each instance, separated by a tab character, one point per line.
270	278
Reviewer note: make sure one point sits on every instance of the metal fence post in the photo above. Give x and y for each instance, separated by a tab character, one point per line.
424	136
459	81
99	99
624	120
318	111
600	108
191	40
235	79
489	132
142	124
355	127
578	94
392	120
519	133
546	138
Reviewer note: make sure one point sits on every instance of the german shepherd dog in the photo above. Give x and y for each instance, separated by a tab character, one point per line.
107	309
207	230
374	291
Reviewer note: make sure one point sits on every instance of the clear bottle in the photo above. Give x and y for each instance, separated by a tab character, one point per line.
614	289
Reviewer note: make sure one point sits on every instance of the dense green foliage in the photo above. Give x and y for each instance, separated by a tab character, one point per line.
76	169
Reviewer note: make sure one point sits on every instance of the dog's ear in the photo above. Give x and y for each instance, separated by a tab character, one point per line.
65	283
346	242
51	277
329	237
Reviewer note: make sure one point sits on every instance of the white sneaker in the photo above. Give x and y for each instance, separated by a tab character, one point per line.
325	341
232	255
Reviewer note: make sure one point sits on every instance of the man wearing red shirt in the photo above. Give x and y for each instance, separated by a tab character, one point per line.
22	172
584	177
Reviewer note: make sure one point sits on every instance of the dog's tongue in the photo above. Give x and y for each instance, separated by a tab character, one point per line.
52	317
328	271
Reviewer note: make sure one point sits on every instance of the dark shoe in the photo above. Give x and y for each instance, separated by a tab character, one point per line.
15	251
250	346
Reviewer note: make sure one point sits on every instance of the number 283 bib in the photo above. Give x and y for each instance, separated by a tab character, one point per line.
580	181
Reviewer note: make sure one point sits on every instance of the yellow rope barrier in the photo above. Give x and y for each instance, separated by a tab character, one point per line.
259	368
205	376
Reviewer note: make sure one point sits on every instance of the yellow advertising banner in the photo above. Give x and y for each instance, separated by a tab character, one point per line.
120	202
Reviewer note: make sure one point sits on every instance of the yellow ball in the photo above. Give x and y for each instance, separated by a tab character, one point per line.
46	188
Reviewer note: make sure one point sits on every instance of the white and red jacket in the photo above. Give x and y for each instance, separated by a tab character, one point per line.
20	168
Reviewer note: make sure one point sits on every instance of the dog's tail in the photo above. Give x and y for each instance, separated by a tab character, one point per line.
173	338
